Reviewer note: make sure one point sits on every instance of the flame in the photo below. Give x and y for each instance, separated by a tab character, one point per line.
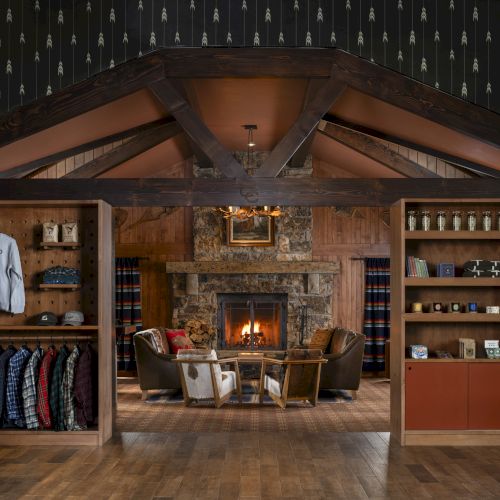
246	328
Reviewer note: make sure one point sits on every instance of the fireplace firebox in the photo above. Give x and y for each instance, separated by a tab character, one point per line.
252	321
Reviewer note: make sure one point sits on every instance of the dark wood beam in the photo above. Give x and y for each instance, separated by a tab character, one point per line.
302	128
250	191
31	167
300	155
468	165
136	146
417	98
80	98
375	150
191	123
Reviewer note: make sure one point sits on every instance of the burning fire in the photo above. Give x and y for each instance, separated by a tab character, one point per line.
246	334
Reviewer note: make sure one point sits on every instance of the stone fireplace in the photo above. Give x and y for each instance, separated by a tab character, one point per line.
285	269
252	321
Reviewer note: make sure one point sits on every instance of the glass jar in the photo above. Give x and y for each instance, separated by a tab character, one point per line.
426	220
457	220
441	220
471	220
486	220
411	219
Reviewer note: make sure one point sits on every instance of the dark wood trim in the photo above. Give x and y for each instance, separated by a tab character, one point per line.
417	98
222	159
136	146
33	166
79	98
302	128
375	150
453	160
250	191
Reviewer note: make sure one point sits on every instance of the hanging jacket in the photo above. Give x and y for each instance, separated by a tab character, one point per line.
86	388
55	394
42	395
30	383
4	365
11	276
68	388
15	374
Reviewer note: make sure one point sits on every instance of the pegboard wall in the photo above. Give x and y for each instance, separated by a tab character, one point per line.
24	224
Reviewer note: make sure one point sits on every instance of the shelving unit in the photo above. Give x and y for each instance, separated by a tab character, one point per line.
93	256
443	401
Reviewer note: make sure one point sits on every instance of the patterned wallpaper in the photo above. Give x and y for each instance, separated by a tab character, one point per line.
46	45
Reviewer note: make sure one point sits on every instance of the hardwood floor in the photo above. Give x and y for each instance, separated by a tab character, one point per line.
245	465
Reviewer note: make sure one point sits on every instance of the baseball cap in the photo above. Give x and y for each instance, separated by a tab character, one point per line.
72	318
46	319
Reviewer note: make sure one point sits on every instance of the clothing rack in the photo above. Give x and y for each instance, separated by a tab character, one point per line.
371	257
19	338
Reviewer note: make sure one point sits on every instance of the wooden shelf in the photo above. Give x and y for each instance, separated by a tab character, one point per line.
44	286
30	328
451	281
60	244
452	360
452	235
451	318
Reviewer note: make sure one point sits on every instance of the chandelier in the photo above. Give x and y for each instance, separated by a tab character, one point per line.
249	212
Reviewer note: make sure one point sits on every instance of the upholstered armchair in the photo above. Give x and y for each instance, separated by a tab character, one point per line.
202	378
298	379
345	360
155	369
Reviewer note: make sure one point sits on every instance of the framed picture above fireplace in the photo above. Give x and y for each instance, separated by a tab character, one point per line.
254	231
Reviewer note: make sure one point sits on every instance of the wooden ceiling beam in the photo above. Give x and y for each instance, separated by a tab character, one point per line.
374	150
302	128
468	165
31	167
79	98
250	191
136	146
413	96
201	135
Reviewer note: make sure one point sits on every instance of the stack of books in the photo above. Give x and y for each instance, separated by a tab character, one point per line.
467	348
416	268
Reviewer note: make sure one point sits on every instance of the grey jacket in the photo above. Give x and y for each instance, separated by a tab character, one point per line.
11	276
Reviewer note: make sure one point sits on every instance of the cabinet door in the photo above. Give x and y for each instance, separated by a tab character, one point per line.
484	396
436	395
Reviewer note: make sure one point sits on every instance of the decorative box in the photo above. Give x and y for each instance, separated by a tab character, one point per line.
492	349
445	270
493	309
418	351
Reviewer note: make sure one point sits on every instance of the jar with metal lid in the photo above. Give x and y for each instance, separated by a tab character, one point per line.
471	220
457	220
411	218
441	220
426	220
486	220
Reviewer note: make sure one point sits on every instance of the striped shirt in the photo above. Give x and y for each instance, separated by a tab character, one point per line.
29	387
15	374
68	394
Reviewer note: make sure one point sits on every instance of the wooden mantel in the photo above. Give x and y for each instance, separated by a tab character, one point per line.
232	267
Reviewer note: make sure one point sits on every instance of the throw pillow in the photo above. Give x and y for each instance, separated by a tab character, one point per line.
177	340
321	339
340	340
162	339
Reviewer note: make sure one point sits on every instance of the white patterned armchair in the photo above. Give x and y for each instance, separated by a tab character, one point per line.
202	378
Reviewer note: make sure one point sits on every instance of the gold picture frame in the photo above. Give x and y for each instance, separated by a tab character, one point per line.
257	231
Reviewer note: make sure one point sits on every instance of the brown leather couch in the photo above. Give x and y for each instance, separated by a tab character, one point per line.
345	360
155	370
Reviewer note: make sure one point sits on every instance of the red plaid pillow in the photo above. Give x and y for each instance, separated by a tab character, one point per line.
177	340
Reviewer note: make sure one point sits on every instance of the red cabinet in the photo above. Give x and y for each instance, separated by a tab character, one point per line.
484	396
436	395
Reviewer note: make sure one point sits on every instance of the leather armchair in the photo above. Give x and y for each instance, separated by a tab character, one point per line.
155	370
345	361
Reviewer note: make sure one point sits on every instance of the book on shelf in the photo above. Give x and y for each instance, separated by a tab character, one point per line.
416	268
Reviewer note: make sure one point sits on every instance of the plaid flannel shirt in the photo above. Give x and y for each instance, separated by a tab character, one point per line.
4	365
15	374
55	394
42	401
68	394
85	388
30	382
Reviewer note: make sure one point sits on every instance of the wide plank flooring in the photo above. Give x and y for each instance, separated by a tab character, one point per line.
250	465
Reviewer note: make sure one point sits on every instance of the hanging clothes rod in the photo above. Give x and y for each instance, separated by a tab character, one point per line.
371	257
17	338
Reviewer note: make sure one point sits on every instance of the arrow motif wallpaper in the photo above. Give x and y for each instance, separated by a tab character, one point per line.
46	45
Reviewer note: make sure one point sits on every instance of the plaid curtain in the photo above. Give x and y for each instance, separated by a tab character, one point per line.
128	309
377	322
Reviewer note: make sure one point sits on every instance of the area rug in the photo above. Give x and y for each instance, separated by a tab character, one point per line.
335	412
